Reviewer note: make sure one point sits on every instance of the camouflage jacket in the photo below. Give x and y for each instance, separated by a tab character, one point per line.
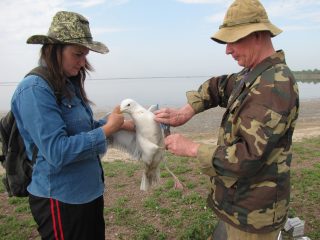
250	165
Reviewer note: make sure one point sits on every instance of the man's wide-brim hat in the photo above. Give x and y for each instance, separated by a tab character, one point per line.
242	18
69	28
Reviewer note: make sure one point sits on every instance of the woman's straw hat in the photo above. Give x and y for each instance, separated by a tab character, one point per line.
69	28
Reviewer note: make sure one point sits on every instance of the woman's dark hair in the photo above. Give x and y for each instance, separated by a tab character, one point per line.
51	57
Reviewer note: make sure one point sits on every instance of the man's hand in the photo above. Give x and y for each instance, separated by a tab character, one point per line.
174	117
181	146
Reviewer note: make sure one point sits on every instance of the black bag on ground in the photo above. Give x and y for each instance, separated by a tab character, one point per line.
13	157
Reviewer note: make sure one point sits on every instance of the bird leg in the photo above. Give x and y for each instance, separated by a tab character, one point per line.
177	183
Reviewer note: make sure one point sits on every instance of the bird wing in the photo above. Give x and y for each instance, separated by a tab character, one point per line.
152	108
125	141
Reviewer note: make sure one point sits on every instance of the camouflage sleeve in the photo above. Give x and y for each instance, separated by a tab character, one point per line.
213	92
253	128
204	156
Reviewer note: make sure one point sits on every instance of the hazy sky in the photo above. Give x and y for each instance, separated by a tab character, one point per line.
152	37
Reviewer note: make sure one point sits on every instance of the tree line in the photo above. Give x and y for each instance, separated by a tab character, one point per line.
307	75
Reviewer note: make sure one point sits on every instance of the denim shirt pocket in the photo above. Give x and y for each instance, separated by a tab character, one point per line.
75	115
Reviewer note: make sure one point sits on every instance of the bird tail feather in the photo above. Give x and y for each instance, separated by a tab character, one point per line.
150	178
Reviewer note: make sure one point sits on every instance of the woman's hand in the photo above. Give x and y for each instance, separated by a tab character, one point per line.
114	123
128	125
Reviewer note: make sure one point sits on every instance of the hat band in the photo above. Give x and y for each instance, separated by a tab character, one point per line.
89	39
61	39
242	22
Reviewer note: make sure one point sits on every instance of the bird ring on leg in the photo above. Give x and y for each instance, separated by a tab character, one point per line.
166	129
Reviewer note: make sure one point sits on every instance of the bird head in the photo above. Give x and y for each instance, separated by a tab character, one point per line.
128	106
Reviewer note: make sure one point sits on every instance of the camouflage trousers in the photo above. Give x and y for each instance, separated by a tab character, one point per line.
225	231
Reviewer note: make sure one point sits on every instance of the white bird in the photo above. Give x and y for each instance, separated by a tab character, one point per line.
145	144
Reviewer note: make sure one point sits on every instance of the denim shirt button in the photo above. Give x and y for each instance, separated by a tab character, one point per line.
69	106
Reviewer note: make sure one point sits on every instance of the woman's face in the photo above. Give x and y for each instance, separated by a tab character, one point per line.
73	59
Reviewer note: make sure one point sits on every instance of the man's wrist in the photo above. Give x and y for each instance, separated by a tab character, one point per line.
194	150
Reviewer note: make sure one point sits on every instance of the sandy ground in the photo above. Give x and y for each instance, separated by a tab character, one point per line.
204	126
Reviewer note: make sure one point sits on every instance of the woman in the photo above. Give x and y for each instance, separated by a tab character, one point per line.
66	191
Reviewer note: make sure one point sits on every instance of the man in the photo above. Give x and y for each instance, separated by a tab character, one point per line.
250	166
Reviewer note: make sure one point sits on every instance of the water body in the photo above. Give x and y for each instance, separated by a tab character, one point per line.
309	90
163	91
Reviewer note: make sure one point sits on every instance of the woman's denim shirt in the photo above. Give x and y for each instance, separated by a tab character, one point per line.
68	165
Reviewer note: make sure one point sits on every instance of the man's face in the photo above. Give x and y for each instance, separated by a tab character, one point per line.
244	51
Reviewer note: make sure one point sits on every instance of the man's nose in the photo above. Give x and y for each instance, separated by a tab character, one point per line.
228	48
